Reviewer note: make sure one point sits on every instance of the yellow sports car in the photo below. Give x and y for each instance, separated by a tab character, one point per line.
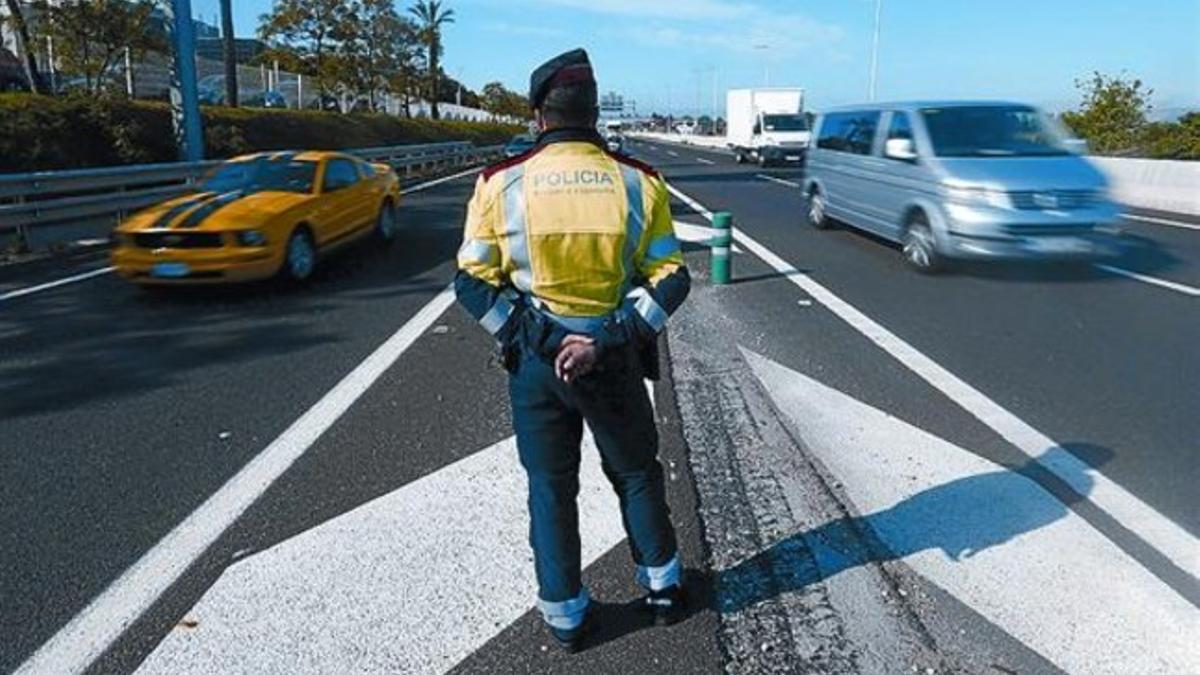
257	216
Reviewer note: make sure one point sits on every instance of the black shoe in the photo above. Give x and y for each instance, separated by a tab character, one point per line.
666	606
571	640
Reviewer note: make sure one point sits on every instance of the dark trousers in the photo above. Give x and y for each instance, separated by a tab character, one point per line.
548	417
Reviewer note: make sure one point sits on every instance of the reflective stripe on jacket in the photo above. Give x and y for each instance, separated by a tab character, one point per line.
585	234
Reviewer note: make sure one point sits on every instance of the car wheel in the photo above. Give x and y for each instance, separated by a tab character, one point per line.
385	223
739	158
920	249
762	160
301	256
817	217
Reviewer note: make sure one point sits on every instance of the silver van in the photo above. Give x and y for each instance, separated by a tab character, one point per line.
959	179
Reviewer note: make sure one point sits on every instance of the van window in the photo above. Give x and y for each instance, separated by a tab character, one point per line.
900	127
852	132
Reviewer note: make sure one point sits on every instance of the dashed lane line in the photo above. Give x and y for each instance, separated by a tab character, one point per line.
1159	532
1161	221
1153	281
74	279
705	161
773	179
91	632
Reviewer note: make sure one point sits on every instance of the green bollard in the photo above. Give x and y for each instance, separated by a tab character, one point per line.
722	264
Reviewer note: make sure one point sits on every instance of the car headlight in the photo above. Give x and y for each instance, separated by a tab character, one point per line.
980	195
251	238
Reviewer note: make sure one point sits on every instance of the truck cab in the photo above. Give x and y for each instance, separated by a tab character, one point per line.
767	126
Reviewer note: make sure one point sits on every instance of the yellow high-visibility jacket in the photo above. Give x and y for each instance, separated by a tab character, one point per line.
579	233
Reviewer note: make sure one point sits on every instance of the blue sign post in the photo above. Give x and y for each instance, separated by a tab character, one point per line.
185	101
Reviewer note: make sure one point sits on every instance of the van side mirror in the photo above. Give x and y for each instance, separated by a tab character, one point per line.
1076	146
902	149
757	128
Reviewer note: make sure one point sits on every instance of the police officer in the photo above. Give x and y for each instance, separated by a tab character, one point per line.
570	261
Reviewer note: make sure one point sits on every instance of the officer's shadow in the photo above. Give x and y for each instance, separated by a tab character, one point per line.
961	518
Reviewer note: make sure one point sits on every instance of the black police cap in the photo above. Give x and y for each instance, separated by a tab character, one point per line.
567	68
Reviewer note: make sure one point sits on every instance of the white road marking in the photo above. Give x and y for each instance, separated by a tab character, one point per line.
1160	532
102	622
781	181
108	270
56	283
672	153
705	161
993	538
1154	281
445	179
698	234
804	303
1161	221
411	582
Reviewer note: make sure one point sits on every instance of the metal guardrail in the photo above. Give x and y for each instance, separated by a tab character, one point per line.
46	198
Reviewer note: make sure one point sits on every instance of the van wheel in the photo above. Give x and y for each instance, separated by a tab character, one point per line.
762	160
739	157
920	248
816	215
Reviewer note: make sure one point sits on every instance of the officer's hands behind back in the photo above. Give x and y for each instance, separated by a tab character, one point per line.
576	357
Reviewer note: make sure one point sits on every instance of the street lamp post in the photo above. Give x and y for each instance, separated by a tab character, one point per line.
875	50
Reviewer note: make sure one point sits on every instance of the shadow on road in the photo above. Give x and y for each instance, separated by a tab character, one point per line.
961	519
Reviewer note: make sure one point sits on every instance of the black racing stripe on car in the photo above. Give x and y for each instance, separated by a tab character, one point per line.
196	217
174	212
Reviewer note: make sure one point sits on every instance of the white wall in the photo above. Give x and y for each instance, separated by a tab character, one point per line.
1164	185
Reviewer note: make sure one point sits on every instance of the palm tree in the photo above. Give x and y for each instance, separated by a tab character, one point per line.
21	29
432	17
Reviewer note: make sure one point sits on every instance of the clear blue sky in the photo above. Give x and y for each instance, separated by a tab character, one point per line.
664	53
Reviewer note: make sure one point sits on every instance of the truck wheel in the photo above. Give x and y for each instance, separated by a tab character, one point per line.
739	157
762	160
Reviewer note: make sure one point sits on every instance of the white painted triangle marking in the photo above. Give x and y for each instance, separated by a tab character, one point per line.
413	581
994	539
698	234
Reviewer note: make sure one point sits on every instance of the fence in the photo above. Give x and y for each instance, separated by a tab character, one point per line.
52	198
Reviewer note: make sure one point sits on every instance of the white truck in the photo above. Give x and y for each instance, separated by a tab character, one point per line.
767	125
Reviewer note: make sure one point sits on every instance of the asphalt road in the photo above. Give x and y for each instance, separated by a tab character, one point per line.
1098	361
124	412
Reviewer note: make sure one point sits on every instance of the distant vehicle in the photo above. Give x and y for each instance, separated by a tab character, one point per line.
767	125
615	143
258	216
957	179
519	144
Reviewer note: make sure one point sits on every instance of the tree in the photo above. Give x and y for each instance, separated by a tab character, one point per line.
432	17
21	31
229	51
1112	115
90	36
499	100
310	29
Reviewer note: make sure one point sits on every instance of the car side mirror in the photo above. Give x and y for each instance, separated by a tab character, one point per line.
902	149
1076	146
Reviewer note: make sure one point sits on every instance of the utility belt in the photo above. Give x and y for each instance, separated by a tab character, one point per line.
540	333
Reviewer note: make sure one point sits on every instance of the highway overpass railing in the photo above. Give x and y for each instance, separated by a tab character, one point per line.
49	198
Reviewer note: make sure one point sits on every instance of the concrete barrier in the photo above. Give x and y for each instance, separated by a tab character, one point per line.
1158	184
1162	185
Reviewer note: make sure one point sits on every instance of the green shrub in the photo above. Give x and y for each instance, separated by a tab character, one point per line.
44	133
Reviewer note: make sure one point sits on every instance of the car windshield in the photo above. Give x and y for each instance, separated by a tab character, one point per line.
992	131
785	123
283	175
